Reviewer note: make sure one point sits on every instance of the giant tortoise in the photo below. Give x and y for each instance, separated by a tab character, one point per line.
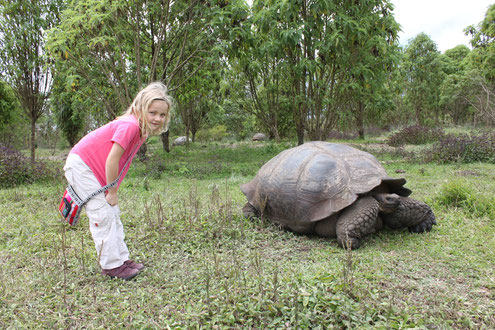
333	190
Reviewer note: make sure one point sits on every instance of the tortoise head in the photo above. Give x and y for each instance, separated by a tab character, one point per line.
387	203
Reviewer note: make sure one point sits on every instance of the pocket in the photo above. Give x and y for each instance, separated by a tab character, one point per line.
100	215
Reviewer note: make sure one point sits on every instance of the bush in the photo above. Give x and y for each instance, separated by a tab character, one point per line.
216	133
415	135
464	148
16	169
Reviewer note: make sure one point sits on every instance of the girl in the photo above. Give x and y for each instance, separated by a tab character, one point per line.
98	158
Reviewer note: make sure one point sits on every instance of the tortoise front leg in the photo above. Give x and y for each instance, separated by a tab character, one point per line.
413	214
250	211
357	221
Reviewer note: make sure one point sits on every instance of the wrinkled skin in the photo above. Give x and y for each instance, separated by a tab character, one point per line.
366	216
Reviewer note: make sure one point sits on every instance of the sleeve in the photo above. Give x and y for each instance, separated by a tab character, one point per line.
125	133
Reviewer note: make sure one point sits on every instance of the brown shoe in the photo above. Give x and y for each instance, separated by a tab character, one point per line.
123	272
133	265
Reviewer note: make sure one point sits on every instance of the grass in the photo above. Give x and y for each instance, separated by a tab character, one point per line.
208	267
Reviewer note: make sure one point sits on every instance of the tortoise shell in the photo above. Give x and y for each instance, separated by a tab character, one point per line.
315	180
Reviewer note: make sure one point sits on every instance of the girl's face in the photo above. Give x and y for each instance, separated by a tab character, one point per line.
156	114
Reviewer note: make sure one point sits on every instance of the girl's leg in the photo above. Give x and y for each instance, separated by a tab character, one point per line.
124	252
105	226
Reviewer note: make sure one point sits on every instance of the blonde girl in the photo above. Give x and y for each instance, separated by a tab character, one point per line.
99	157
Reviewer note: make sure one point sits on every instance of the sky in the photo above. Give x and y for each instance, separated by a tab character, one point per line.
443	20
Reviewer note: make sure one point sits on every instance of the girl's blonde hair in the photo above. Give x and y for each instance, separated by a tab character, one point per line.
139	107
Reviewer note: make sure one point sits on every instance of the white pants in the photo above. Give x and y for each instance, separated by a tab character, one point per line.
104	220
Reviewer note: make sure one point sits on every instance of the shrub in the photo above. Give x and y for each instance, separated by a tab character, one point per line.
464	148
216	133
415	135
16	169
455	193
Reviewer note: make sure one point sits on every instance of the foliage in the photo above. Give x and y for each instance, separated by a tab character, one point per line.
459	193
11	121
455	90
118	46
423	77
329	52
215	162
415	135
481	64
8	104
198	96
22	53
337	135
216	133
16	169
483	42
260	87
240	123
208	267
464	148
67	105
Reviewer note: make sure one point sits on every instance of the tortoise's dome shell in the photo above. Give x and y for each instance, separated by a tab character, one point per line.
313	181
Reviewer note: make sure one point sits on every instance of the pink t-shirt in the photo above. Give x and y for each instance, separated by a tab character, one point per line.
95	146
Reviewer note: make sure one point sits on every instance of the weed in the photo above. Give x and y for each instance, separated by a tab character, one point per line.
16	169
464	148
209	267
459	193
415	135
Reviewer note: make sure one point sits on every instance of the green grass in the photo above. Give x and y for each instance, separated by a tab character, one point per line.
208	267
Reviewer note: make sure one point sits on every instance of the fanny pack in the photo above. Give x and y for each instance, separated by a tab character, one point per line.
71	204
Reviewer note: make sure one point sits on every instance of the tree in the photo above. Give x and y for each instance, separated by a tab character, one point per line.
423	76
67	105
199	94
8	104
259	86
117	45
22	27
481	67
331	51
10	114
453	90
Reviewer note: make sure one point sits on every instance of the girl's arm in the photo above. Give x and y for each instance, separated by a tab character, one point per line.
112	172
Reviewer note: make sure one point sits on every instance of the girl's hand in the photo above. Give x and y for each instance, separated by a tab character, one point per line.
112	198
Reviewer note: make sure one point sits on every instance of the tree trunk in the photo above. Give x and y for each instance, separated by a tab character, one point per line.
360	120
142	152
275	133
32	143
300	134
165	141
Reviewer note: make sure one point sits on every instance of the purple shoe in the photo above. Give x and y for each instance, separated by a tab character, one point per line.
123	272
133	265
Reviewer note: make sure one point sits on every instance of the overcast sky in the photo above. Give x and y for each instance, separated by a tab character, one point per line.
443	20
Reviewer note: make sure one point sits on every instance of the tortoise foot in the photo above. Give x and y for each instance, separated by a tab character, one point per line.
424	226
351	243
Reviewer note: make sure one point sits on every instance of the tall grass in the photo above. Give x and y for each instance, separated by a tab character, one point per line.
209	267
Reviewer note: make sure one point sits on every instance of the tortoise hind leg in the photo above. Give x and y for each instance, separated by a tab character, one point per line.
250	211
357	221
